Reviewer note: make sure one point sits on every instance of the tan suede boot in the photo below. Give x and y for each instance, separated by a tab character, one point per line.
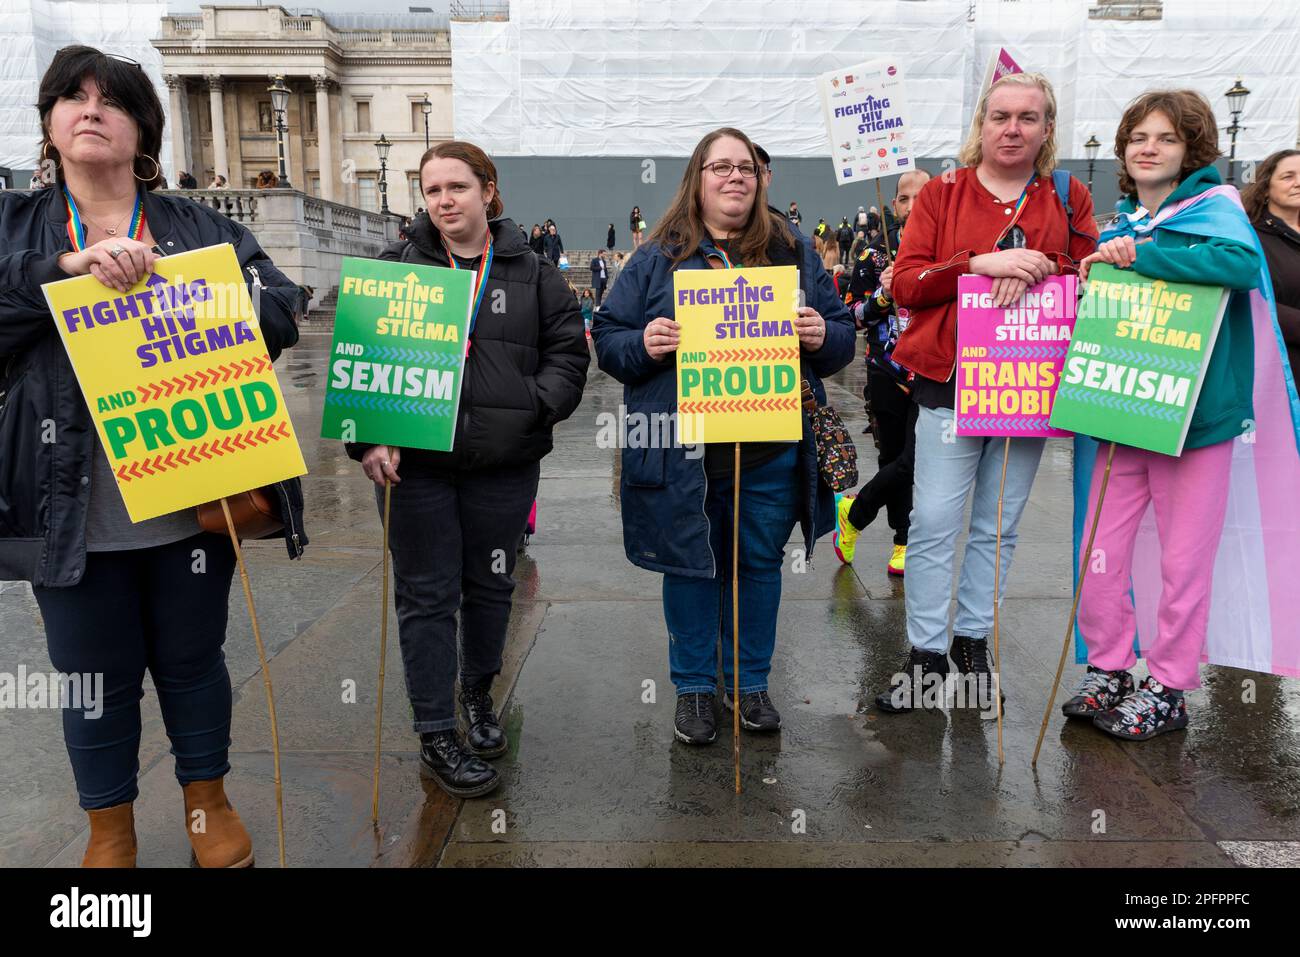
216	834
112	837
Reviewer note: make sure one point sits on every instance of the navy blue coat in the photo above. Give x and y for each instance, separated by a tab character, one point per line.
663	492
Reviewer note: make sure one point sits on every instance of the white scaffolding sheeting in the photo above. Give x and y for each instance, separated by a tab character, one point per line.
32	30
624	78
634	78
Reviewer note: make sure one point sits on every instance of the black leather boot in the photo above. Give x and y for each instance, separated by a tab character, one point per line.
915	686
457	772
485	736
971	656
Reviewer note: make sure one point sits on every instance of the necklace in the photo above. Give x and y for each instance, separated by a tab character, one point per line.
76	222
111	230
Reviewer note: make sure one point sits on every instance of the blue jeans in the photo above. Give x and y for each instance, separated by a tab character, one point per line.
693	607
947	466
145	609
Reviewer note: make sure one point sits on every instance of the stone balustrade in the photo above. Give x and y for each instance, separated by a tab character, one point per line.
305	237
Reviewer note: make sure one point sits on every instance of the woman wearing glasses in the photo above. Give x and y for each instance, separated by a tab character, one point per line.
677	510
117	598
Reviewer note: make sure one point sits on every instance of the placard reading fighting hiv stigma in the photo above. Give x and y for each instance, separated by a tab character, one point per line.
398	355
1137	359
178	381
1009	360
738	357
867	121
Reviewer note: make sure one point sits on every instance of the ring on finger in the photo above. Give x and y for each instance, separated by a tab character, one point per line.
117	250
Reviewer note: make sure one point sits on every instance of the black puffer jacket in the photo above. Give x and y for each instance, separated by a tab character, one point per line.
45	486
1282	250
527	365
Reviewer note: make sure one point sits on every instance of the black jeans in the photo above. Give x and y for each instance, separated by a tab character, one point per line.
453	536
891	487
162	609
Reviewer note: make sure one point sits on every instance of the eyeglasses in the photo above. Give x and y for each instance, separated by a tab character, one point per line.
747	170
112	56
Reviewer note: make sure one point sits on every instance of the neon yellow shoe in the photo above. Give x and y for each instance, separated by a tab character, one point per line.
846	536
896	560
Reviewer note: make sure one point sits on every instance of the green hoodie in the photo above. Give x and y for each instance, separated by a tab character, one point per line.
1225	406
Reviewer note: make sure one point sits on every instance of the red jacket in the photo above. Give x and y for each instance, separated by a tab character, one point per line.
950	223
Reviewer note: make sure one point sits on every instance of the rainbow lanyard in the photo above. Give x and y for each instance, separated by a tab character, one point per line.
726	260
480	281
1020	205
77	229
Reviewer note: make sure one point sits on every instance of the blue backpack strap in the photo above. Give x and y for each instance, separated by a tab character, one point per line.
1061	180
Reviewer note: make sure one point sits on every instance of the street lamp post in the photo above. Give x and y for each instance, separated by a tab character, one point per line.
280	104
426	108
1090	148
1236	104
382	146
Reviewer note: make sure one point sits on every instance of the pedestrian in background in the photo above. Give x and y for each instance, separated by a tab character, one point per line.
844	238
537	241
587	303
637	225
888	397
553	245
609	238
599	275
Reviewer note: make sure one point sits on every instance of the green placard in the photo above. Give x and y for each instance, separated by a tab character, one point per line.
398	354
1137	359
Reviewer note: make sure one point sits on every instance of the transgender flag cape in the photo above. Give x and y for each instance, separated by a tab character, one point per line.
1255	606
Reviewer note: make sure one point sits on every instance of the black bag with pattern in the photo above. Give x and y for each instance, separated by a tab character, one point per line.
837	456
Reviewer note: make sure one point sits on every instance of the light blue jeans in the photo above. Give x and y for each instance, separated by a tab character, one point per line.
947	467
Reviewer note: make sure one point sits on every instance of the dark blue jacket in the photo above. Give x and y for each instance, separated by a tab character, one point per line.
662	491
45	486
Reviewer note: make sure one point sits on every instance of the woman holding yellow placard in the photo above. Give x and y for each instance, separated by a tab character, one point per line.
117	598
677	508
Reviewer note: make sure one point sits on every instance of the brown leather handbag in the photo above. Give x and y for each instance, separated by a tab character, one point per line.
256	514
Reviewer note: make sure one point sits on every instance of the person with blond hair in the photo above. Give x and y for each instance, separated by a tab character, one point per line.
1000	215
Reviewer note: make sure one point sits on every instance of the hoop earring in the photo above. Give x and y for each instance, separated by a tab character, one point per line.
45	155
157	170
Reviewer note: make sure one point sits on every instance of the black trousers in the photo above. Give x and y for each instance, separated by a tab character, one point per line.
891	487
454	538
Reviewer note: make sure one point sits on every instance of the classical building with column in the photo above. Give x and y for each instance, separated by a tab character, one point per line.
350	77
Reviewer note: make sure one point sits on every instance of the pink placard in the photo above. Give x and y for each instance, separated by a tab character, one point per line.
1004	65
1009	360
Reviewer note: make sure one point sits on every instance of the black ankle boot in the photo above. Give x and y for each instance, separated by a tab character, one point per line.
971	656
457	771
906	692
485	736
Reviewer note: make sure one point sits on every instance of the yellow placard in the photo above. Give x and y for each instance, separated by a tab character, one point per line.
738	359
178	381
